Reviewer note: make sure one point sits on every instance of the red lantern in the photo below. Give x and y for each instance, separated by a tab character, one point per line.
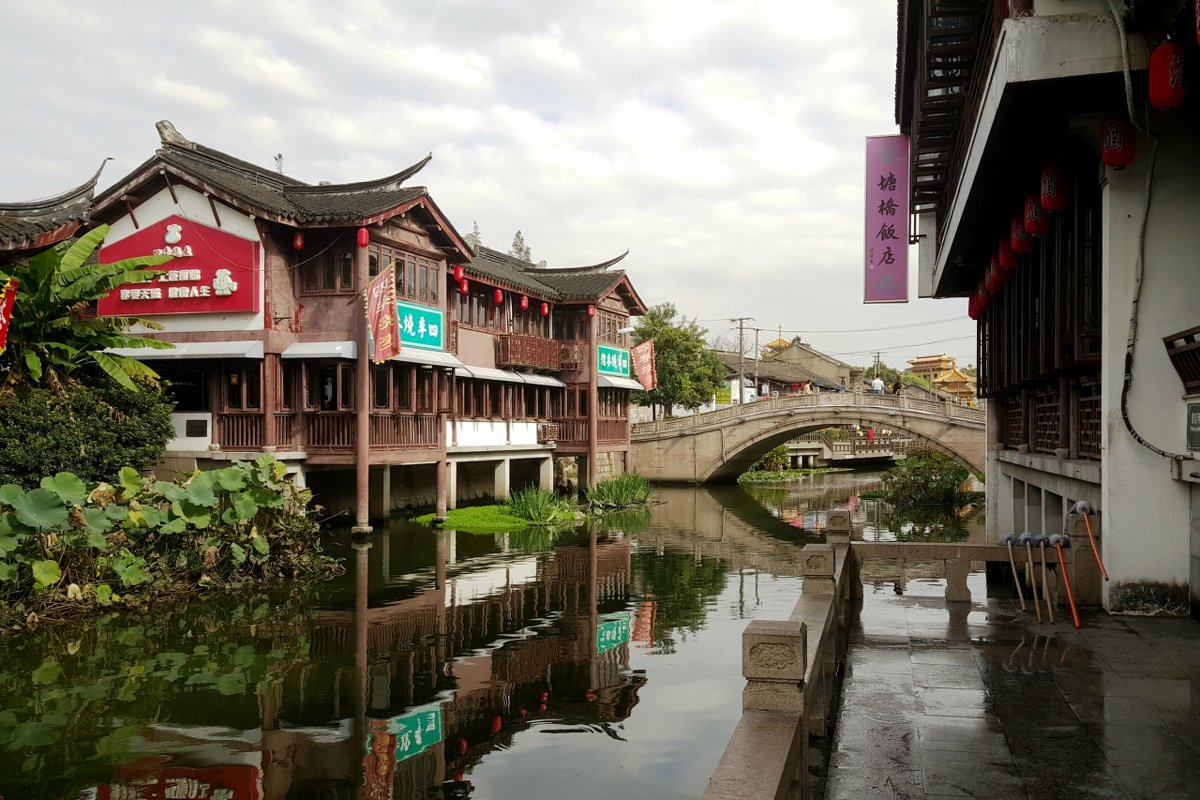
545	309
972	307
297	241
463	286
1018	237
1006	255
1053	189
1197	21
498	296
1166	76
1117	144
591	310
524	303
364	237
458	272
1036	221
991	277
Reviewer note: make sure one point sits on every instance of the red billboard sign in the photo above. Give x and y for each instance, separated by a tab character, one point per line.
212	272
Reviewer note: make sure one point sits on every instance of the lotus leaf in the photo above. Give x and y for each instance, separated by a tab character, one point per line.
46	573
69	488
40	508
130	479
201	494
10	492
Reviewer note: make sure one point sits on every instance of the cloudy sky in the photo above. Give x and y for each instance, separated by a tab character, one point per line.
721	143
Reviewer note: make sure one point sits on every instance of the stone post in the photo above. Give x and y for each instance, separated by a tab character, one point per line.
818	564
774	658
1085	576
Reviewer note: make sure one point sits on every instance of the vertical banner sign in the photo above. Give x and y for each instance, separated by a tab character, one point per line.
382	320
643	364
8	296
886	238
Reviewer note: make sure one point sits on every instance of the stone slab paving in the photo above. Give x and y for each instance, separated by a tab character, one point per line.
978	700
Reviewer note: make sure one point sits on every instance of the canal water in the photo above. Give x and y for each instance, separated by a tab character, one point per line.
603	662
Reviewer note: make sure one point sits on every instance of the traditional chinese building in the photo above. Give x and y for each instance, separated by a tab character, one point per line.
502	366
1054	163
930	367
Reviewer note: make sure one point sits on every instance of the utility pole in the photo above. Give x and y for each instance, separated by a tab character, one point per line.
741	323
757	354
877	363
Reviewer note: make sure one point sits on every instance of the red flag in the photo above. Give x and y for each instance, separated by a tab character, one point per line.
8	296
643	364
383	319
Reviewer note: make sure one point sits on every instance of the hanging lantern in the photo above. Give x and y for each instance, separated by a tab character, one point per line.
982	298
1117	144
1166	76
1036	221
458	272
298	241
498	296
463	286
1006	256
524	302
545	309
1197	21
1053	189
364	237
991	277
972	307
591	310
1018	237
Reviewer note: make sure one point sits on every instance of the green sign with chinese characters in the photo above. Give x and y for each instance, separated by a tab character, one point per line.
613	631
421	327
613	360
416	731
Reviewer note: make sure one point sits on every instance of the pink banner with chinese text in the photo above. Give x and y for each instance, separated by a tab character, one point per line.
886	232
382	320
643	364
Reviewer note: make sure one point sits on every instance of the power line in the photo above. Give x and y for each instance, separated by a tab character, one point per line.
898	347
853	330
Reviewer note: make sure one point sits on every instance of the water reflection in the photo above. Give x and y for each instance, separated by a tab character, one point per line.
590	664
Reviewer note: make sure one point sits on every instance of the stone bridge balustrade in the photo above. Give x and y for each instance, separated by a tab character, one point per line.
719	445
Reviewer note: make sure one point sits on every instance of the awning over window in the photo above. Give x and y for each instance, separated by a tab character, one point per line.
337	349
433	358
609	382
250	349
540	380
488	374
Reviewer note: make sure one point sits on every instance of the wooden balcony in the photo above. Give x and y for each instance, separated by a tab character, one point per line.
404	432
527	352
239	431
326	432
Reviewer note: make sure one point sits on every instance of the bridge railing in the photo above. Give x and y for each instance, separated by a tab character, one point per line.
823	400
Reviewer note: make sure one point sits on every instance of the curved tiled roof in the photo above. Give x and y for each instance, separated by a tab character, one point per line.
572	283
37	224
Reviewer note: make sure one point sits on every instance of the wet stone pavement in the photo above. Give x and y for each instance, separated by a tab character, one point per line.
978	700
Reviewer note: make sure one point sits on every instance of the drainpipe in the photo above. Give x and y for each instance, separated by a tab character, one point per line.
362	404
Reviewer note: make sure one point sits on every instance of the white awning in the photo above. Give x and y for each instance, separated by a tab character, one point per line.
434	358
540	380
609	382
487	374
336	349
248	349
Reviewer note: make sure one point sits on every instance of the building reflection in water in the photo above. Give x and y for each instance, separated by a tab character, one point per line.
421	688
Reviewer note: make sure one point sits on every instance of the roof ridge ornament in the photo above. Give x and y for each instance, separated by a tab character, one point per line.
168	135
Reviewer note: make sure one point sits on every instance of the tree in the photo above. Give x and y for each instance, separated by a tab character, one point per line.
473	238
53	339
519	249
688	373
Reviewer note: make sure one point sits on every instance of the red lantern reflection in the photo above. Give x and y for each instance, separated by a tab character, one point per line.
1166	76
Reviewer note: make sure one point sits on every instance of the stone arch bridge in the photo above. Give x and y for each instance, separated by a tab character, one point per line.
720	445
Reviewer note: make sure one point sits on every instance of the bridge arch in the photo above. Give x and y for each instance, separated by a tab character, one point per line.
720	445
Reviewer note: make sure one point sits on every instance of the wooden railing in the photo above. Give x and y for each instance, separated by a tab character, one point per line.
572	355
239	431
404	432
286	433
572	431
330	431
612	431
532	352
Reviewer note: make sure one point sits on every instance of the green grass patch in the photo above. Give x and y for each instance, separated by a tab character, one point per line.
479	519
784	475
624	491
539	507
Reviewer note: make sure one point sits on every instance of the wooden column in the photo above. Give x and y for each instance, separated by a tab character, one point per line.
362	403
270	399
593	411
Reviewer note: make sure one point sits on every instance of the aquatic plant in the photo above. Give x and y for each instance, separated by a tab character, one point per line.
539	506
926	478
623	491
478	519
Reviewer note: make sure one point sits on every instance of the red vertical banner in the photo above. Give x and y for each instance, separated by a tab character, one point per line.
886	233
8	296
643	364
383	319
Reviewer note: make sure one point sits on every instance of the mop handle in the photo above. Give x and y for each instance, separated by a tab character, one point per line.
1008	540
1087	520
1058	543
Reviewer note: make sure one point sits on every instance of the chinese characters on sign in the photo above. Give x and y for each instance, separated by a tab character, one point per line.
420	326
383	319
643	364
212	271
8	296
886	234
613	360
612	632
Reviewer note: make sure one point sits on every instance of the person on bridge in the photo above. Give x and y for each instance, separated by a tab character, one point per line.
897	387
877	385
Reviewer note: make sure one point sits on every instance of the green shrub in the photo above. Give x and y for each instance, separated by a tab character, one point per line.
926	477
538	506
774	460
623	491
90	431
